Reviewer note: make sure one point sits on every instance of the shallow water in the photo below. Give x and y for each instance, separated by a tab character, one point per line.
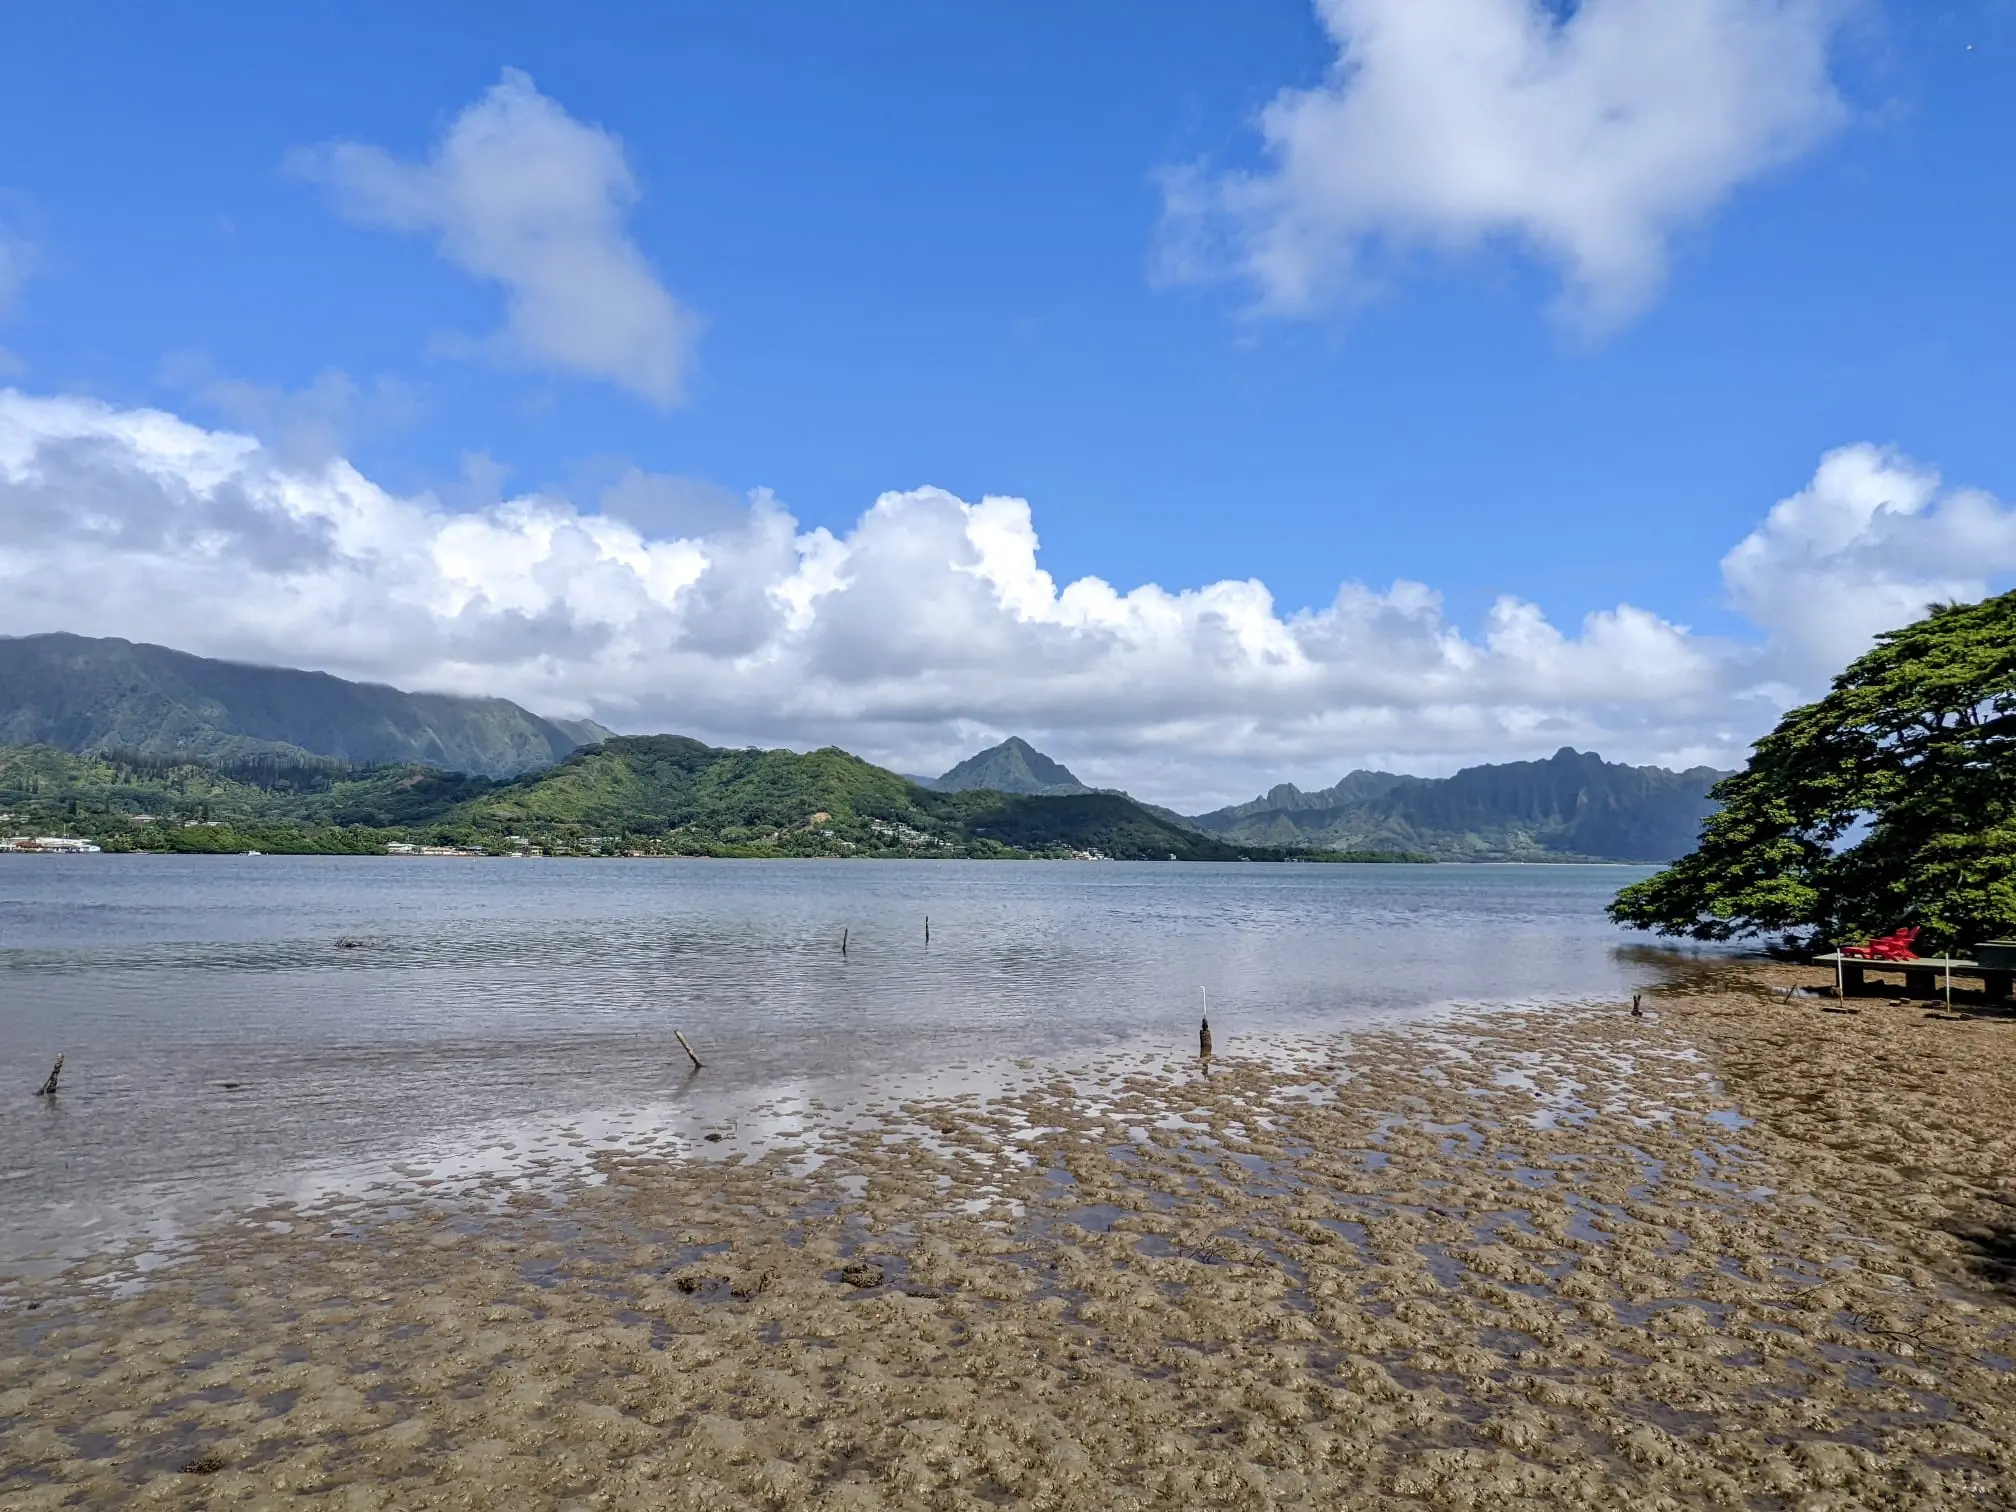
365	1011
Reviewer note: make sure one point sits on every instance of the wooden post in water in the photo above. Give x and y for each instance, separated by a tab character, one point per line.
843	943
48	1088
927	929
1637	1005
1204	1029
687	1048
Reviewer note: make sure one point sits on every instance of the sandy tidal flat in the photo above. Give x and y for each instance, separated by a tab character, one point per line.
1742	1252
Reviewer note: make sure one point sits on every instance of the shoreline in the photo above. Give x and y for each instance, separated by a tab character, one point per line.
1394	859
1740	1249
804	1118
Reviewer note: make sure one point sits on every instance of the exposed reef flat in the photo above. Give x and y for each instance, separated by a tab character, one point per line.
1744	1251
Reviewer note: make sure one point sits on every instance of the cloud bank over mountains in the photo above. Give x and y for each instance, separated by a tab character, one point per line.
1590	135
930	624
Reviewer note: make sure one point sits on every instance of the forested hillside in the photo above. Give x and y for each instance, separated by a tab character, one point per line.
1572	806
649	795
84	695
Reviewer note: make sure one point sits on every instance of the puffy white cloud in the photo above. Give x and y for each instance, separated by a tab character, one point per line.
521	193
926	628
1590	134
1865	546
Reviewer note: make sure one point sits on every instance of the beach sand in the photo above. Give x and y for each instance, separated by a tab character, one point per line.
1745	1251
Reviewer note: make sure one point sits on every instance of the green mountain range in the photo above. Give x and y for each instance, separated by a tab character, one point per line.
1574	806
221	755
1014	766
85	695
645	795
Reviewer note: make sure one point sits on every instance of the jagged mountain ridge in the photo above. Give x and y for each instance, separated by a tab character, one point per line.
1572	806
1358	787
88	695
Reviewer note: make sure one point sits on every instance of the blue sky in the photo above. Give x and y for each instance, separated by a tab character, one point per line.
915	246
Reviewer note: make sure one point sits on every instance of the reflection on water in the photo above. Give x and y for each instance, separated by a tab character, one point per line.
231	1020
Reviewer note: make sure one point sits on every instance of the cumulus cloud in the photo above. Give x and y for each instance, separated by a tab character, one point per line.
1865	546
520	193
928	626
1589	134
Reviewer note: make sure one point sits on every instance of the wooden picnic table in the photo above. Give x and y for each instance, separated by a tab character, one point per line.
1923	975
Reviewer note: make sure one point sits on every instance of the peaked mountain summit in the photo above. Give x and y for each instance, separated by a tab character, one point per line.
1014	766
88	696
1574	806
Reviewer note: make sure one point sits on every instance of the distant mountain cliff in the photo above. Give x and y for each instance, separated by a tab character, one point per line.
1572	806
85	695
1014	766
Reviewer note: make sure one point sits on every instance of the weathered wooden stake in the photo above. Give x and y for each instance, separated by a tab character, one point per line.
1204	1027
48	1088
843	942
687	1048
927	929
1637	1005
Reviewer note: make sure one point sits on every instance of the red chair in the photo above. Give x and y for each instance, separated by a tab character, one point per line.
1900	945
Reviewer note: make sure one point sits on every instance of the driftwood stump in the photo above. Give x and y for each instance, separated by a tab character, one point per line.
687	1048
48	1088
1204	1040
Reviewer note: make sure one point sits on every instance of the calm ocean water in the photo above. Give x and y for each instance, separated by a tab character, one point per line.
476	994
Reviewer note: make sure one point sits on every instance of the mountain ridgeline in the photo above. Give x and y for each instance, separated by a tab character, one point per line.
666	791
1574	806
148	748
91	696
647	795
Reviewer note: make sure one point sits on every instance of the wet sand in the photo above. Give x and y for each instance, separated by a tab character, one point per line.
1741	1252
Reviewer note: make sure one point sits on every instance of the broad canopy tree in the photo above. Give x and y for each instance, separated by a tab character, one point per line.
1890	802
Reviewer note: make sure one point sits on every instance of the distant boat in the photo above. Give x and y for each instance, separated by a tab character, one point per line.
252	853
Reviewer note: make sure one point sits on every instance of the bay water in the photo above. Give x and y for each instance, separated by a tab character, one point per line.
243	1028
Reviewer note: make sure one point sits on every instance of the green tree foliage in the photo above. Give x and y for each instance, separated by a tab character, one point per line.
1890	802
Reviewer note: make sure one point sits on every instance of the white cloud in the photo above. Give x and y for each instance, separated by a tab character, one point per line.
1589	137
929	626
1865	546
520	193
